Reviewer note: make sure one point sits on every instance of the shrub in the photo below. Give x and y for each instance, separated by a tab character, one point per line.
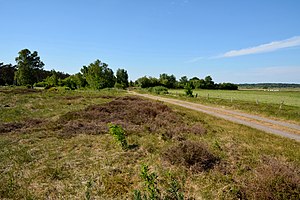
188	90
273	180
158	90
48	87
52	89
150	180
28	86
174	190
120	86
193	155
40	84
134	114
119	135
151	183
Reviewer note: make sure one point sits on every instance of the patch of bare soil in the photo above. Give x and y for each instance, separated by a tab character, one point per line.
134	114
89	97
20	126
71	97
20	91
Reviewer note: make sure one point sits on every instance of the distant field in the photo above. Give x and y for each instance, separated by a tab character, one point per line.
291	98
264	103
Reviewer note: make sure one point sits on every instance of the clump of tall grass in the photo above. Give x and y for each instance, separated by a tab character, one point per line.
154	190
192	155
273	180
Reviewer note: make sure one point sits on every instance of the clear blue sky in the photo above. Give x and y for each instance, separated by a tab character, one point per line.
233	41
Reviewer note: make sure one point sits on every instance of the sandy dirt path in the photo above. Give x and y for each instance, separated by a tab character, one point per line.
283	129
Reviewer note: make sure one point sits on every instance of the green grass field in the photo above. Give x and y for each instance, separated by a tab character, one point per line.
282	105
290	98
19	104
56	145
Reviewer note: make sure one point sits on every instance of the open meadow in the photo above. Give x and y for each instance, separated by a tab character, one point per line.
283	105
57	144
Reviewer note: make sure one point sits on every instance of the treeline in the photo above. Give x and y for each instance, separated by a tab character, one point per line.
269	85
96	75
8	72
169	81
29	72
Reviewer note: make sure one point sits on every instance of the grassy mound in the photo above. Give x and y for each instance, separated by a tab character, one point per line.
193	155
134	114
273	180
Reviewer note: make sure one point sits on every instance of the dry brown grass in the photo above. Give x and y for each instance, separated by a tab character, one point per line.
75	97
273	179
193	155
19	91
66	156
19	126
134	114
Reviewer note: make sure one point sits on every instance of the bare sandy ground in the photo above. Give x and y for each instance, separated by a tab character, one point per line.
283	129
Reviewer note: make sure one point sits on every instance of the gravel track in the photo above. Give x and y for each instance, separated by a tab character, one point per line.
280	128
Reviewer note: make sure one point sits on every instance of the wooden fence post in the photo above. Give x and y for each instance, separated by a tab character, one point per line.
281	104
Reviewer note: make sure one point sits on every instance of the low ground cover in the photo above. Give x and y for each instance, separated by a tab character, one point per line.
70	153
282	105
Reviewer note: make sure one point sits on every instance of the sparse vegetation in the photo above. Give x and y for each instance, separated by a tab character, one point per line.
158	90
56	144
281	104
134	114
151	185
119	135
192	155
152	191
273	179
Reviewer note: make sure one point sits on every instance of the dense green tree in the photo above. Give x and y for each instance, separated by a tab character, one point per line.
227	86
194	82
188	90
201	84
195	78
154	82
80	80
98	75
84	70
143	82
53	79
183	81
122	78
28	67
44	74
70	82
7	73
209	84
131	84
168	81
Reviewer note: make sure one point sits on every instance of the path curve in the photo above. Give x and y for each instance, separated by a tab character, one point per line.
284	129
